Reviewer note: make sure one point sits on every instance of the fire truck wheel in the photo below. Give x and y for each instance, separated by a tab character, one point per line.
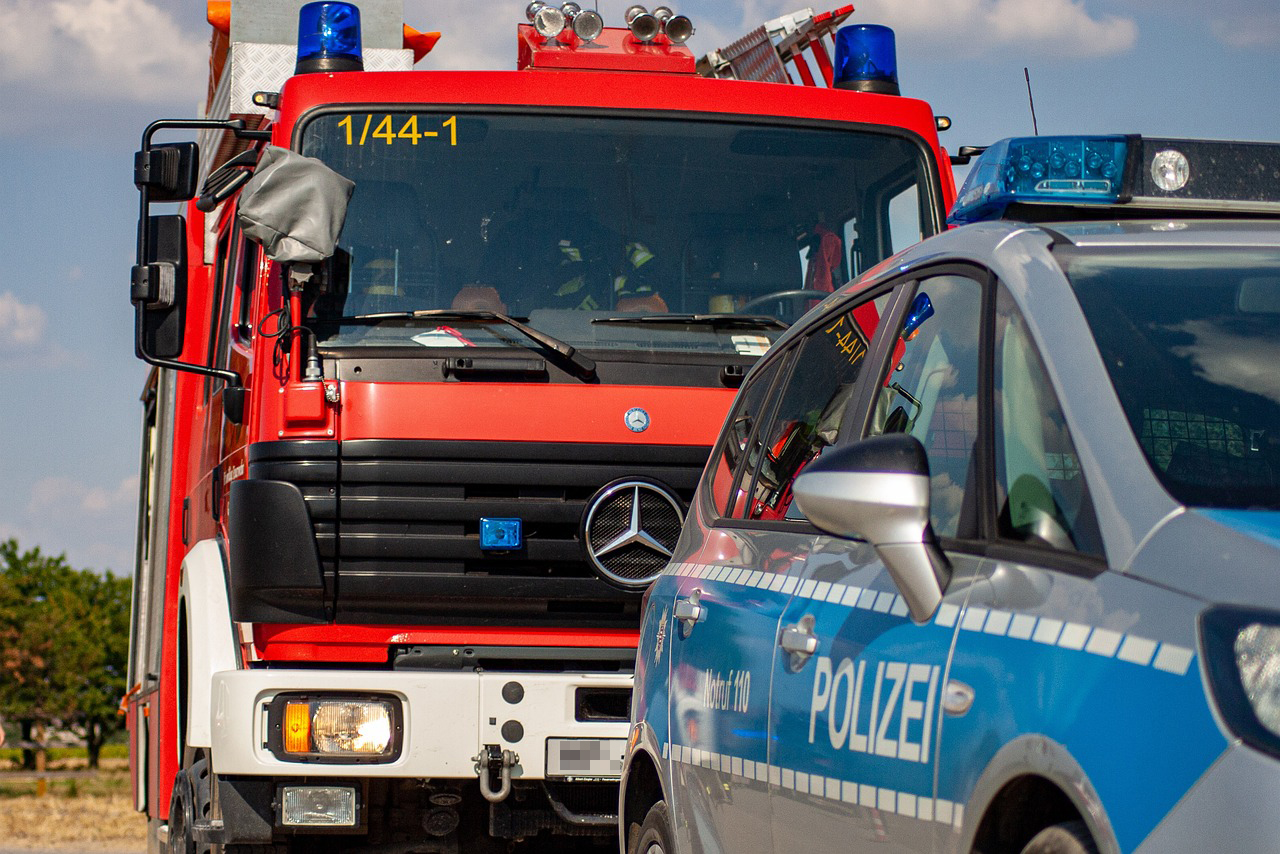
190	799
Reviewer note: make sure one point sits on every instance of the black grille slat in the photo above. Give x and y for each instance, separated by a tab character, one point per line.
548	452
583	476
432	509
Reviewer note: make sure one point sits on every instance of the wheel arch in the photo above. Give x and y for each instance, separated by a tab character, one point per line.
641	789
209	637
1031	783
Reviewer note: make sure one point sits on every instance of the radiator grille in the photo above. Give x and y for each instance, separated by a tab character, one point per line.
397	522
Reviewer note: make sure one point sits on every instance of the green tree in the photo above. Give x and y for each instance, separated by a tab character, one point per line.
64	637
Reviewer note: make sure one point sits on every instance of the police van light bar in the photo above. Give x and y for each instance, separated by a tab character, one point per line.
1142	174
866	59
329	38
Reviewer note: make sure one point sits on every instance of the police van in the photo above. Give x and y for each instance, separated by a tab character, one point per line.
987	556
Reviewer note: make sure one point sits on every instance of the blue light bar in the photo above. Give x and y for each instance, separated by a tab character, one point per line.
498	534
1067	170
329	38
866	59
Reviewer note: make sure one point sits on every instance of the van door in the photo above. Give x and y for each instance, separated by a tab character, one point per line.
858	685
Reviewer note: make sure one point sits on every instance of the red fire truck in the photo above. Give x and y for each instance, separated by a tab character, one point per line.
418	437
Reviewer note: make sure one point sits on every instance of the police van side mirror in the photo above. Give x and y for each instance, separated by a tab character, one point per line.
878	490
159	289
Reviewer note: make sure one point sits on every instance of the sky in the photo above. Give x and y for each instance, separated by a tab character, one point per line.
80	79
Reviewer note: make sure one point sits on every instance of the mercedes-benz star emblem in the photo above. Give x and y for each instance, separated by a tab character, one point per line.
630	530
636	419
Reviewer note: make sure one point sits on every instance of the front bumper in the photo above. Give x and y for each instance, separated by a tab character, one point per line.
448	719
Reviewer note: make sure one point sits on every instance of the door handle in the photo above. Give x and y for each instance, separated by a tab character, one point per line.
689	611
800	641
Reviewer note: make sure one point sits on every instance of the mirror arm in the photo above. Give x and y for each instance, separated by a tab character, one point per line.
231	378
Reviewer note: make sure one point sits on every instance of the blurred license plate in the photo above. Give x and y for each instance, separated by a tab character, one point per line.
585	757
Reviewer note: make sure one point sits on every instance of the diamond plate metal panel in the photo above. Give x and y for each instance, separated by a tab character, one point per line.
265	67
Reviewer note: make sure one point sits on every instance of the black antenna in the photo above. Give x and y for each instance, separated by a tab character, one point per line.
1032	101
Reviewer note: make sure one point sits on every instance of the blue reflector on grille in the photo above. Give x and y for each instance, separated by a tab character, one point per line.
503	534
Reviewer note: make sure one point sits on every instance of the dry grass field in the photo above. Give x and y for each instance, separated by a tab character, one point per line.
84	812
105	823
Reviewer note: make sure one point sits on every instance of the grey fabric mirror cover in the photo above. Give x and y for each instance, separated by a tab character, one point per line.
294	206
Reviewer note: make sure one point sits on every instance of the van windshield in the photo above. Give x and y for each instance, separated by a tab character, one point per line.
1191	338
608	233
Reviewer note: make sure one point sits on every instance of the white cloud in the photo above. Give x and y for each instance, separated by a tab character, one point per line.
23	339
72	499
1059	28
966	28
1237	361
1254	30
108	50
22	327
474	35
84	520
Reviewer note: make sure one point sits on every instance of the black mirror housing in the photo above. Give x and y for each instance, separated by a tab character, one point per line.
159	288
169	172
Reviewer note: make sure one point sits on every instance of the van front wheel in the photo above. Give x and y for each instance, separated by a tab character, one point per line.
655	835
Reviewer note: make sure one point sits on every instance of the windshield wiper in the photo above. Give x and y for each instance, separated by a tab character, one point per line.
583	367
725	321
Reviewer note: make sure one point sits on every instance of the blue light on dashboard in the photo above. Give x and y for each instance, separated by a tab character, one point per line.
866	59
921	310
1042	169
498	534
329	38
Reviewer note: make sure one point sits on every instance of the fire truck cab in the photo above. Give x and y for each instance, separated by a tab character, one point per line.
439	357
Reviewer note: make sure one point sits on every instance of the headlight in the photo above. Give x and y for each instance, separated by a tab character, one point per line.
1242	655
331	728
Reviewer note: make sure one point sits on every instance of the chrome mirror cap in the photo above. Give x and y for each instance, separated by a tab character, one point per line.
878	490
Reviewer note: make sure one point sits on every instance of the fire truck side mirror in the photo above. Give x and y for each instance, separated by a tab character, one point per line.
159	288
169	172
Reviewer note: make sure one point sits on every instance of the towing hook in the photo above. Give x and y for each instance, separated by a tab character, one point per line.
490	761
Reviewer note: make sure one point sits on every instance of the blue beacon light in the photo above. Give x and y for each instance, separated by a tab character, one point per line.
499	534
329	38
866	59
1063	170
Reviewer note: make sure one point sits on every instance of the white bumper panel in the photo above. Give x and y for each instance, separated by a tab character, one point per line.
447	718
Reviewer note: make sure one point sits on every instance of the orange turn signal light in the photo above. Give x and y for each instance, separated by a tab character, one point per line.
297	728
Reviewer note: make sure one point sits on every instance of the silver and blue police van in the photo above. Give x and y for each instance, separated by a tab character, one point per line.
987	556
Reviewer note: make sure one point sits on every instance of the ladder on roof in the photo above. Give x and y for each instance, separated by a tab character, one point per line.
763	53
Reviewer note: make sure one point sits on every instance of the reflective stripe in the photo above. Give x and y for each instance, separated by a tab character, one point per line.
1048	631
905	804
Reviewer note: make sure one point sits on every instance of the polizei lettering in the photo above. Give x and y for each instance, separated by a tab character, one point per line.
879	708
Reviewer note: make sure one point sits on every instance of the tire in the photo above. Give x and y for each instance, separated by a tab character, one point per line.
655	836
1071	837
190	799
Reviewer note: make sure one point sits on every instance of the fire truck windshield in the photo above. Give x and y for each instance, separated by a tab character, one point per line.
607	233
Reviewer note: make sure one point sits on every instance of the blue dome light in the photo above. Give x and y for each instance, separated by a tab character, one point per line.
329	38
1061	170
866	59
